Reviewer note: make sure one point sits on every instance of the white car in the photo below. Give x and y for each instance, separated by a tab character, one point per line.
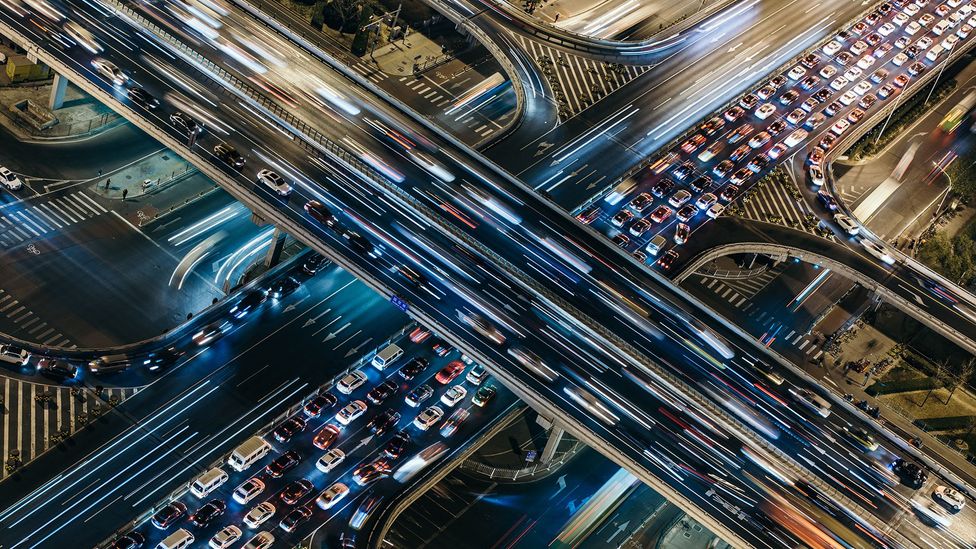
816	176
428	417
10	179
848	224
862	87
332	495
840	127
859	47
899	59
679	198
848	98
225	538
261	540
777	150
454	395
900	19
877	250
828	71
912	28
886	29
765	110
715	210
705	201
839	83
964	31
109	70
797	72
950	497
259	514
853	73
351	412
832	47
866	62
350	382
950	41
248	490
330	460
274	182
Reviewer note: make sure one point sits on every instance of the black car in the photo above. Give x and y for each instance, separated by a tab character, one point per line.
397	445
383	422
210	510
662	187
321	401
412	276
248	303
910	473
132	540
413	368
699	184
165	517
162	359
296	490
827	201
776	127
185	123
283	463
229	156
294	518
57	369
359	243
289	428
313	263
381	392
142	98
321	213
283	287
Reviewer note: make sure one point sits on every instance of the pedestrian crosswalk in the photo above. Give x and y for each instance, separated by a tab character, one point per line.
808	344
372	73
38	218
738	292
35	415
780	203
576	81
441	97
20	322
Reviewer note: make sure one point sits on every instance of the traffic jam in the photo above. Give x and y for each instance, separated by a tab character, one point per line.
813	104
332	462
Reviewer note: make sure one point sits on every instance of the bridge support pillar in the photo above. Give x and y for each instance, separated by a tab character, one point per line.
552	443
57	92
274	250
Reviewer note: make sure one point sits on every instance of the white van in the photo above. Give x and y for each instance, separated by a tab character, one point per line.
208	482
390	354
655	245
177	540
248	453
941	27
935	53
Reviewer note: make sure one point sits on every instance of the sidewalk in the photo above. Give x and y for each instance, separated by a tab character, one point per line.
80	116
148	175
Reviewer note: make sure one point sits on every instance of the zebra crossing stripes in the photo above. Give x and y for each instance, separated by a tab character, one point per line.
40	218
442	98
850	194
27	425
771	201
27	325
583	82
372	73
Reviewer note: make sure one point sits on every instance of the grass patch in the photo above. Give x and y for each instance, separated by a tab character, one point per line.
954	423
879	388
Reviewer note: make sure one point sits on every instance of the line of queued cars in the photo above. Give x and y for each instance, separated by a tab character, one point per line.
830	89
292	505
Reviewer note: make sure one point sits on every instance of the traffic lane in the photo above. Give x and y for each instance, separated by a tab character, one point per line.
359	444
231	375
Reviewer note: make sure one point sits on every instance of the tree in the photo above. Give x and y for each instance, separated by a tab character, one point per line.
938	378
360	42
961	378
318	15
962	173
343	15
953	257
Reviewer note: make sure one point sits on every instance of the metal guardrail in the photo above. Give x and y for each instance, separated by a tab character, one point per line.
293	409
712	271
505	473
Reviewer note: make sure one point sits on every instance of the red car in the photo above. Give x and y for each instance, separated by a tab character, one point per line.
588	215
326	436
667	260
449	372
419	335
660	214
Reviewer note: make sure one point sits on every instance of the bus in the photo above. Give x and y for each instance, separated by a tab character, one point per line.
958	113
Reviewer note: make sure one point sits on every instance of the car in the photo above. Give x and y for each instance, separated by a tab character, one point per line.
706	200
741	176
293	519
57	369
759	140
662	187
397	445
621	218
778	81
729	192
833	108
679	198
901	80
441	348
431	415
816	156
641	202
915	69
259	514
740	153
360	243
692	144
748	101
10	180
886	29
942	10
910	473
840	126
858	48
484	395
789	97
848	224
809	83
332	495
843	58
454	395
715	210
321	213
765	111
296	490
589	215
318	403
477	375
313	263
141	97
371	472
828	71
681	233
414	368
867	101
862	87
261	540
419	334
416	397
226	537
326	436
734	113
816	176
288	428
712	125
848	98
274	181
251	301
700	183
330	460
229	156
777	150
950	41
853	73
758	163
855	116
878	251
684	170
110	70
449	372
710	152
873	39
881	51
912	52
924	43
209	334
351	412
863	439
351	381
132	540
797	72
859	28
827	201
765	92
797	116
815	121
832	47
383	421
248	490
952	499
667	260
283	287
810	104
964	31
283	463
723	168
886	91
810	61
866	62
660	214
168	515
687	212
383	391
640	227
